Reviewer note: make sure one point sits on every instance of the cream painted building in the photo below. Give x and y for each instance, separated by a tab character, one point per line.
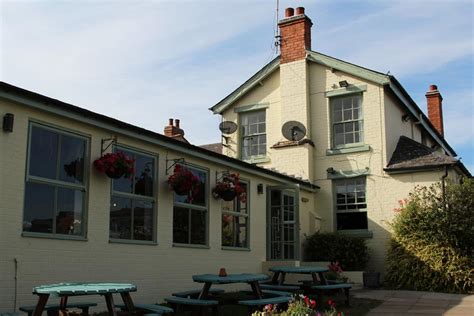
366	143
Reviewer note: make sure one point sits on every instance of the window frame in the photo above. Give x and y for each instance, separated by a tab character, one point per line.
335	183
133	197
361	141
84	187
239	214
251	158
193	207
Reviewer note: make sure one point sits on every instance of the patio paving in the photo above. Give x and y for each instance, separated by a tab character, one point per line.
418	303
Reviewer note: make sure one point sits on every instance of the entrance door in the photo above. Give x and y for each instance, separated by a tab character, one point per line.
283	223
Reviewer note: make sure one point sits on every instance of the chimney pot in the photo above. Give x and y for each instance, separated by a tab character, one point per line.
295	35
433	87
176	123
289	12
299	10
170	122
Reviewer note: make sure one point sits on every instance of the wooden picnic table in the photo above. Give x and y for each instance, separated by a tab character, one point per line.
316	272
65	290
210	279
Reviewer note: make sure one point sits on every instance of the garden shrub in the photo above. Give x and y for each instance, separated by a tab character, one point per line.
432	246
351	252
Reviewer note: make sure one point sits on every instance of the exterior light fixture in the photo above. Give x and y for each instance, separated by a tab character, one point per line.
343	84
330	170
8	122
260	188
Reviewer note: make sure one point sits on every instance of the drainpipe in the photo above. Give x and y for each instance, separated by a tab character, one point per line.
443	186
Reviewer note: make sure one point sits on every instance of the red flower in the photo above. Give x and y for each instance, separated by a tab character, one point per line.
313	304
306	301
183	181
115	165
230	182
332	303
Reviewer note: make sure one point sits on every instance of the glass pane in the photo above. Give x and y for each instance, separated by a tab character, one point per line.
337	104
339	139
70	212
354	220
143	220
39	208
347	115
181	225
337	116
253	129
262	128
124	184
252	118
254	150
120	218
198	227
144	171
72	159
261	116
43	152
275	197
228	234
357	137
349	138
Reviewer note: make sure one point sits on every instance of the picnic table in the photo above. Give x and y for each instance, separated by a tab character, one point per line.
66	290
279	273
210	279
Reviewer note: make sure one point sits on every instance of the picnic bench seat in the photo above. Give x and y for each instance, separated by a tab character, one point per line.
55	307
279	287
195	293
277	293
265	301
149	308
335	286
202	304
9	314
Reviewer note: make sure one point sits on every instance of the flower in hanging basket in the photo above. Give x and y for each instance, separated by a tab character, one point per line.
184	182
115	165
229	188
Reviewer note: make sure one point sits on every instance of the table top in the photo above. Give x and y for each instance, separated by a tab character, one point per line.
301	270
230	278
71	289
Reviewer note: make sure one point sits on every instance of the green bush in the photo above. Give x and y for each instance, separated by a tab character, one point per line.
432	247
351	252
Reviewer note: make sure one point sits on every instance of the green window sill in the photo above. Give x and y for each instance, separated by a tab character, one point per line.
257	160
347	150
191	246
362	233
235	248
132	242
53	236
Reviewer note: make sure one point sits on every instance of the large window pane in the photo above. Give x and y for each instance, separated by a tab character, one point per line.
235	221
39	208
143	221
70	211
43	152
180	225
72	159
124	184
198	224
121	218
350	200
356	220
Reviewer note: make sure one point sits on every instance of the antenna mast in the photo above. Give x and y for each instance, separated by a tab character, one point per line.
277	29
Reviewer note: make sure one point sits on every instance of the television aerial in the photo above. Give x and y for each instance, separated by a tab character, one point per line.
293	130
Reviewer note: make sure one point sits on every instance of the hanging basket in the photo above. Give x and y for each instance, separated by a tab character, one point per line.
115	165
114	174
227	195
179	190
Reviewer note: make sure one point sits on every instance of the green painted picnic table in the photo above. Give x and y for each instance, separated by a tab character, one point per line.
65	290
250	278
279	273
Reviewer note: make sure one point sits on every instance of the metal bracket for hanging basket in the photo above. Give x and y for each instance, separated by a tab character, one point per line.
107	142
170	163
221	174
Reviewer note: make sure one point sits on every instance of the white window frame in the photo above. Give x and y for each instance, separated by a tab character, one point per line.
249	136
360	120
347	182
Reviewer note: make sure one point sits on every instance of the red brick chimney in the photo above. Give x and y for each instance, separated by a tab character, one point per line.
173	130
435	108
295	32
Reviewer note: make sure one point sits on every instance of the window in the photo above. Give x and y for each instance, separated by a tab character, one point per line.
190	214
254	137
133	201
347	123
351	205
235	222
55	186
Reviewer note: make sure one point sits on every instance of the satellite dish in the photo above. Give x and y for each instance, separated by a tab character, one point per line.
293	130
227	127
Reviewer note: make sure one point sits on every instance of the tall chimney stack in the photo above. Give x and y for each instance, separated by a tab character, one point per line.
435	108
295	32
173	130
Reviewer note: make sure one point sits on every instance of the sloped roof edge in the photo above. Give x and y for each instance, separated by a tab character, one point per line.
246	86
44	103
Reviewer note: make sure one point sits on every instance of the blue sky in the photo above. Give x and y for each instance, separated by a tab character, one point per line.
146	61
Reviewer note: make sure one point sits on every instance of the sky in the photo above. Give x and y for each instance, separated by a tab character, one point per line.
143	62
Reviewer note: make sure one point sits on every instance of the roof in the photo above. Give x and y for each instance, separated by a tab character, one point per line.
36	100
388	81
410	155
216	147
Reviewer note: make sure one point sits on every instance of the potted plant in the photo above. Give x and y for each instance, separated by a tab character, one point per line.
184	182
115	165
334	273
229	188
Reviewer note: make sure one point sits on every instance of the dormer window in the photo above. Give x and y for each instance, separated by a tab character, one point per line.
253	135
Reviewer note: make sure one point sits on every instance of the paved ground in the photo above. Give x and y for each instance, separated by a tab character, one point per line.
418	303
